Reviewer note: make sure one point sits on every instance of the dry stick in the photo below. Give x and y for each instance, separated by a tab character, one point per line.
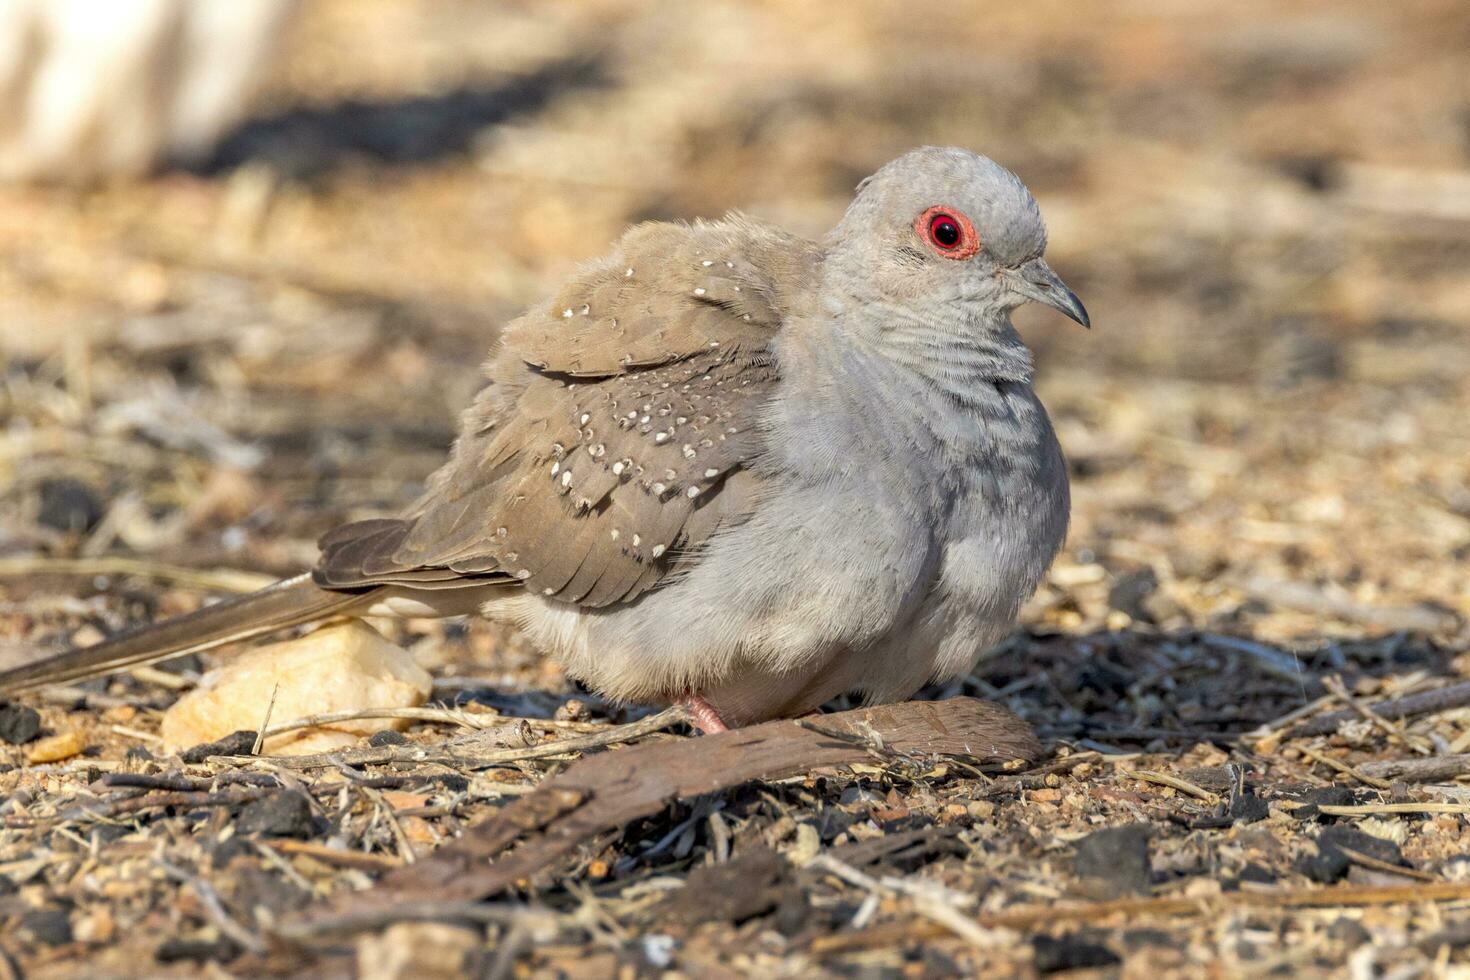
899	933
425	910
1374	864
607	791
1369	809
463	753
1307	598
1344	768
1173	782
1428	702
215	909
362	860
1283	665
1431	770
219	580
451	716
270	708
1276	724
1334	684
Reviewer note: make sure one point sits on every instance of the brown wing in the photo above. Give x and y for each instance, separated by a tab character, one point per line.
614	435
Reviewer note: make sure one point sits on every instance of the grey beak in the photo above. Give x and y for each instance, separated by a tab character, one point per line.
1036	281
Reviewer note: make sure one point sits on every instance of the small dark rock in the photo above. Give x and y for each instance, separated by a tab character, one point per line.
1329	795
68	506
51	927
189	663
453	782
1257	874
1355	840
1316	172
284	814
1349	932
1129	594
386	737
1104	678
1117	858
139	754
1070	952
177	949
1248	808
1330	863
235	743
1326	866
833	821
18	723
792	911
1139	938
108	832
221	854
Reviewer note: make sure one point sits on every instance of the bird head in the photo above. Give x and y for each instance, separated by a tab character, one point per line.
948	225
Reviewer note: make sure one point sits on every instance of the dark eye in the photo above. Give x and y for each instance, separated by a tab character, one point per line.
948	232
944	231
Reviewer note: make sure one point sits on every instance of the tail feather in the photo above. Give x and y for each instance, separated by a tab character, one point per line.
287	603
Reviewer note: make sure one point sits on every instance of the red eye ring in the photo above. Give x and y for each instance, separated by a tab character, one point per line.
948	232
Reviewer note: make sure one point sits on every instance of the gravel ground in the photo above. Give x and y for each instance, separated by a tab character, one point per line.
1245	666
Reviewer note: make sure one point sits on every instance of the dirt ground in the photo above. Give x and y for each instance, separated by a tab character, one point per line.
1266	208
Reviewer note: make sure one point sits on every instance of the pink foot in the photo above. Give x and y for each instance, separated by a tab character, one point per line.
705	716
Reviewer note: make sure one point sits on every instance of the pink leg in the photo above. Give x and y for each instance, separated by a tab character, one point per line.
705	715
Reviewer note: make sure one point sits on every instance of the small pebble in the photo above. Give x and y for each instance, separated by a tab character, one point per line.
56	747
235	743
1070	952
68	506
51	927
1118	858
18	723
285	814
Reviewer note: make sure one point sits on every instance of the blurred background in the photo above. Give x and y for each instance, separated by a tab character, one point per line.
252	253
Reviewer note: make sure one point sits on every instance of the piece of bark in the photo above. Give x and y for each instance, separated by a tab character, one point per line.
1434	769
1423	703
606	791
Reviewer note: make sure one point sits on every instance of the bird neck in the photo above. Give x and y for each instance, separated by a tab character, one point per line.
948	345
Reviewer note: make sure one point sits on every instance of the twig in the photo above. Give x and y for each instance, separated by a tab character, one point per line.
463	753
1272	661
1334	684
1432	770
216	580
1130	909
1343	768
928	901
270	707
214	908
1276	724
1373	864
425	910
1310	599
405	849
451	716
362	860
1173	782
152	675
1369	809
1427	702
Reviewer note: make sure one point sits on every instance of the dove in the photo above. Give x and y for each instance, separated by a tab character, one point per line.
732	467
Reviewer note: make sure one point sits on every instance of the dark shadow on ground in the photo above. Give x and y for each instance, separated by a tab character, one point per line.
314	141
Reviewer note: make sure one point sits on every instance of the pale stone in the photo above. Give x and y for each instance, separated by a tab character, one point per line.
417	950
343	667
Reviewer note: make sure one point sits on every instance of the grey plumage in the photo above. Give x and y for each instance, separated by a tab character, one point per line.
731	463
